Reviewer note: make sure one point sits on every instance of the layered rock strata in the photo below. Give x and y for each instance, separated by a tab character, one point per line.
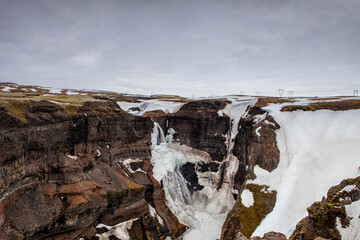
62	173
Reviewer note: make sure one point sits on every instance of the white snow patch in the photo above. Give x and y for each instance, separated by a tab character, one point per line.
98	153
72	93
151	105
206	226
259	118
127	164
247	198
257	131
54	90
72	157
351	232
120	230
7	89
154	214
269	123
313	146
349	188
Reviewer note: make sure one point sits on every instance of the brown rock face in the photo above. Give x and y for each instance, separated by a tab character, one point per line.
61	172
199	126
255	144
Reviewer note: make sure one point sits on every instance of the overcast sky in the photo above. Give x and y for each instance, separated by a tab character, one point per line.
200	47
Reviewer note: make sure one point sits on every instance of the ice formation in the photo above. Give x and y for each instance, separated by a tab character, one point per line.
204	211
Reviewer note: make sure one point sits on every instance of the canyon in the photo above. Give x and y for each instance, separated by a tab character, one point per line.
100	165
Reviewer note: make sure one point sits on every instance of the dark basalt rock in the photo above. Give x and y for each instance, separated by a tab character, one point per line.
189	173
271	236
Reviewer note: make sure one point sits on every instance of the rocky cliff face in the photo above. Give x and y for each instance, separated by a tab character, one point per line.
255	144
62	173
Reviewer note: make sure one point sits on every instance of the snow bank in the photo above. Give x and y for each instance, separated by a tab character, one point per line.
353	230
7	89
154	214
120	230
207	226
257	131
317	150
151	105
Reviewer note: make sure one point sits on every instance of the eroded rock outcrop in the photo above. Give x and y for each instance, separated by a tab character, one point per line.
327	218
255	144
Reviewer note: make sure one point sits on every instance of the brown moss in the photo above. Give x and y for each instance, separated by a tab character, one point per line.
136	231
71	109
16	108
153	114
246	219
334	106
264	101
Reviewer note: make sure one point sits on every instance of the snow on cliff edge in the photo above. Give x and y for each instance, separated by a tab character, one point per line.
317	150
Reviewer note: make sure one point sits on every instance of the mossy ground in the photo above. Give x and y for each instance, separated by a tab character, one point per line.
334	106
246	219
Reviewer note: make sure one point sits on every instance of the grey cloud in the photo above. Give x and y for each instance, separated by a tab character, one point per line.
183	47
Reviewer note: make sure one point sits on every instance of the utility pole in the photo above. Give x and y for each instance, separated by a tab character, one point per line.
356	93
281	92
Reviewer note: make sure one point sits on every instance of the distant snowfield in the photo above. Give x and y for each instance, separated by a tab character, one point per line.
317	150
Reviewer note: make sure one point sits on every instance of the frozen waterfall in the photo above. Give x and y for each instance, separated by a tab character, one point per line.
205	211
167	161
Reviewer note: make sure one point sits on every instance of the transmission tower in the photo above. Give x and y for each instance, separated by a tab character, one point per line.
281	92
291	94
257	93
356	93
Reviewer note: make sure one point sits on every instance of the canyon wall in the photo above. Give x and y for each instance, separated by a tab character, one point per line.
62	173
85	170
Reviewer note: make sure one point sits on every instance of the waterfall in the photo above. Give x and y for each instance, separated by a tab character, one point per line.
175	184
157	136
166	161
